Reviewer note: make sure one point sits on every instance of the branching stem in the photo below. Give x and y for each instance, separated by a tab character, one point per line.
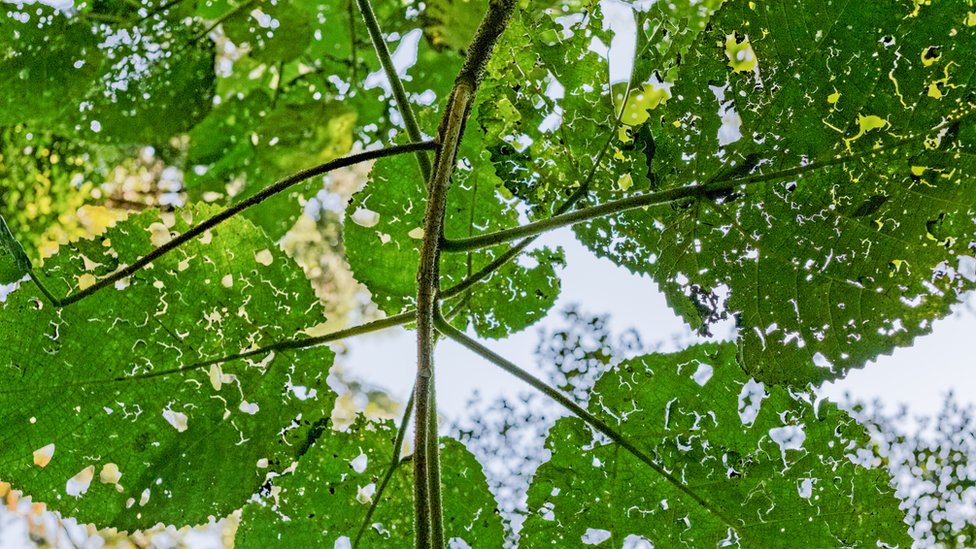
231	211
718	186
427	490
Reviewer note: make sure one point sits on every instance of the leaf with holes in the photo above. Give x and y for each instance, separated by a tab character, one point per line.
111	412
325	500
724	460
839	141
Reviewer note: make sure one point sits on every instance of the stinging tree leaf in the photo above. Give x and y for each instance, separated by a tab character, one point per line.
325	500
111	414
759	466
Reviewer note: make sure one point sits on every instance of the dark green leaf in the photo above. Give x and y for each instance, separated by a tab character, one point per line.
859	245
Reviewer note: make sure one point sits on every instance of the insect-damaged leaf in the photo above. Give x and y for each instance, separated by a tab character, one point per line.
125	82
867	234
109	415
384	228
749	465
324	502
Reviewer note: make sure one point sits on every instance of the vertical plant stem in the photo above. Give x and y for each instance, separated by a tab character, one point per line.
428	274
427	489
399	94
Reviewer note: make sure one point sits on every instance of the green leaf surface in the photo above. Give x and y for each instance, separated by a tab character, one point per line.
556	121
138	82
247	144
113	384
866	235
324	502
758	466
273	32
384	228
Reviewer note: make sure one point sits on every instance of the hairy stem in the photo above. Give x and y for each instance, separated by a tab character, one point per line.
394	464
577	410
231	211
427	489
429	527
399	93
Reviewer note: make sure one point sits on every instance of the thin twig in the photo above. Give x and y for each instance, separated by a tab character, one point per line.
395	463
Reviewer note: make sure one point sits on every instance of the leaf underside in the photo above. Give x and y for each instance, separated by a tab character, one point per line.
759	466
326	499
112	384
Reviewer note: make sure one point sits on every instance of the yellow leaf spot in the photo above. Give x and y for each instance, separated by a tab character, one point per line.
42	456
110	474
158	234
264	257
936	87
833	98
640	102
971	19
625	182
86	281
866	124
918	170
918	7
741	56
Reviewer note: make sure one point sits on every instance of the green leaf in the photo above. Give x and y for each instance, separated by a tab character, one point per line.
247	144
860	242
326	499
114	384
14	263
553	123
122	83
748	465
384	228
275	33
